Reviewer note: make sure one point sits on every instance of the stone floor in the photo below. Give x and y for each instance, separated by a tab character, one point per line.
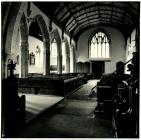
72	118
36	104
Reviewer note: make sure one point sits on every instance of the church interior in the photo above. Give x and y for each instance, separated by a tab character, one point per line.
70	69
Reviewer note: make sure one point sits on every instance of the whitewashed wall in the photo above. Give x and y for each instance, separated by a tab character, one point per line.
117	47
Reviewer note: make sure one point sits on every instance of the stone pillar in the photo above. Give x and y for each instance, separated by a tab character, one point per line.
23	60
59	64
67	63
4	68
4	62
46	57
59	58
73	64
74	61
90	67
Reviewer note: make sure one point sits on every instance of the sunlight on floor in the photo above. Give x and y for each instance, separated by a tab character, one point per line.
35	104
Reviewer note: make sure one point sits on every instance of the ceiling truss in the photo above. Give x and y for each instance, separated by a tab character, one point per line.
76	17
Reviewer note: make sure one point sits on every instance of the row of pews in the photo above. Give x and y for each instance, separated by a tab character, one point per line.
118	95
61	85
13	105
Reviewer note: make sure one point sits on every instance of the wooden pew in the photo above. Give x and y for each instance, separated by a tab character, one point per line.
61	85
126	106
107	87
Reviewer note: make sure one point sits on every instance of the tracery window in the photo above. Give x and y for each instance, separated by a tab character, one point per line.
53	48
99	46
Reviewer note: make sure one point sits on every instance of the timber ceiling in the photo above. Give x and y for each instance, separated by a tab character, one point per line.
76	17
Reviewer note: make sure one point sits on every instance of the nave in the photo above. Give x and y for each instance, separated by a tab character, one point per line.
72	118
109	104
52	49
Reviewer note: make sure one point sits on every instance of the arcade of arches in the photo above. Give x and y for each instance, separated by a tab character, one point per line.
87	51
28	31
37	52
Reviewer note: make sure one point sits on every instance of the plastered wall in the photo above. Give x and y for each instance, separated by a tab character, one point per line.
12	35
117	50
38	66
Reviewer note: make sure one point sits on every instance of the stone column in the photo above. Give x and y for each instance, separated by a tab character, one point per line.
46	57
74	62
67	63
4	65
23	60
59	64
59	58
90	67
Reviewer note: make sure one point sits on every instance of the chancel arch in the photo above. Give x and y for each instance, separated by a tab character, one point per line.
65	56
56	40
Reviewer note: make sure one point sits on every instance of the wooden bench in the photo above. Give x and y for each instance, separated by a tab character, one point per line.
62	86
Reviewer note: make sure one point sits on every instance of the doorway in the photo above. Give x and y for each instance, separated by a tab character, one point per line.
98	67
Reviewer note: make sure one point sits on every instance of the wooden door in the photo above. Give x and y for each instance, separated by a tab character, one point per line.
98	67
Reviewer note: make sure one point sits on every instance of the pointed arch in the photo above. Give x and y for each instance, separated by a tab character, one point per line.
23	29
43	27
55	35
10	26
46	43
99	44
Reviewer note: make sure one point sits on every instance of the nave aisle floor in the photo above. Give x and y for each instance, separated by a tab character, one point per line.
36	104
72	118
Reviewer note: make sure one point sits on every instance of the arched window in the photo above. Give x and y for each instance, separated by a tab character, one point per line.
63	56
99	46
53	48
63	49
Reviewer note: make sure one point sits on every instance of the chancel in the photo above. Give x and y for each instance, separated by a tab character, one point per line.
70	69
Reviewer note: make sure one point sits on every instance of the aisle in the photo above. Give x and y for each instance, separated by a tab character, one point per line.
72	118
